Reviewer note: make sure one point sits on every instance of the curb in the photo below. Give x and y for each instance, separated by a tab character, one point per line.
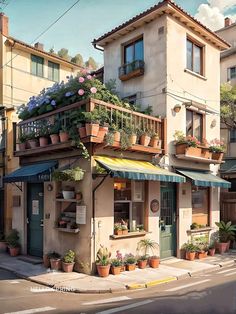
150	283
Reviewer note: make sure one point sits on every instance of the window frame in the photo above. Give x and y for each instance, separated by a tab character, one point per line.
208	203
131	43
37	63
53	71
203	122
229	73
232	139
200	45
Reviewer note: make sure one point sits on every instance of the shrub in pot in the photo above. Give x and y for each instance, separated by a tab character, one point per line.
54	133
13	242
92	122
68	261
103	261
43	135
226	234
149	245
22	138
55	261
190	251
130	262
116	266
142	261
33	140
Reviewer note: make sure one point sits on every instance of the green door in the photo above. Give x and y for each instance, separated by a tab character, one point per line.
167	220
35	219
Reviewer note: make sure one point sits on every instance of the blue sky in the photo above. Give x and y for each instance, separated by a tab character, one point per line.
89	19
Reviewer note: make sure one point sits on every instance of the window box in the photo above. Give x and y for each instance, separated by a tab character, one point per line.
184	149
206	153
130	70
217	156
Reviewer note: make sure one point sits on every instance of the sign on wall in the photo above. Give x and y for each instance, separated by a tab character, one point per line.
81	214
35	207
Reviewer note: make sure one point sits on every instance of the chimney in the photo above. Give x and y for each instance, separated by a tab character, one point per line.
4	24
38	46
228	21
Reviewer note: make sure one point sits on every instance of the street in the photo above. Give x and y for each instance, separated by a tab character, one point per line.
204	293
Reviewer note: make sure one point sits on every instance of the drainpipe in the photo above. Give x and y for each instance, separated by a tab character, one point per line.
93	212
95	46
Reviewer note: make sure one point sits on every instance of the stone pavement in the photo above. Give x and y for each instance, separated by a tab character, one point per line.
170	269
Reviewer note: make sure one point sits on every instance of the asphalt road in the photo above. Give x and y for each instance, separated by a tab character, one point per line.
204	293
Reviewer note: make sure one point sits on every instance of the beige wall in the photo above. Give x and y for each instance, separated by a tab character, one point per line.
225	64
228	34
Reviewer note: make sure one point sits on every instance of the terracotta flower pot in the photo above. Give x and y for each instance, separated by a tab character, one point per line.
125	231
117	232
22	146
33	143
145	140
202	254
64	137
117	136
142	264
82	132
133	139
221	247
154	262
228	245
43	141
46	261
92	129
122	268
103	271
217	156
3	246
193	151
190	256
211	252
154	142
130	267
14	251
206	153
68	267
54	138
103	130
55	263
115	270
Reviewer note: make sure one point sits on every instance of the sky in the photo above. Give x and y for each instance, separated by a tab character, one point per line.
90	19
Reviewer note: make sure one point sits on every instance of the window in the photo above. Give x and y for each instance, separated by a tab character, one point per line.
133	51
231	73
194	124
194	57
233	136
200	206
129	203
37	65
53	71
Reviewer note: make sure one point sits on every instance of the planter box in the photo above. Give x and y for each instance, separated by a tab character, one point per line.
184	149
217	156
206	153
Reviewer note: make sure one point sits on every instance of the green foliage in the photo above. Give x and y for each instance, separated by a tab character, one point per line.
63	53
143	258
13	239
147	245
190	247
54	255
78	59
22	137
228	105
130	259
103	256
124	140
74	174
91	64
69	257
115	262
226	231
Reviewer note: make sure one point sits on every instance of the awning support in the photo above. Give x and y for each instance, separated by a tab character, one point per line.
18	186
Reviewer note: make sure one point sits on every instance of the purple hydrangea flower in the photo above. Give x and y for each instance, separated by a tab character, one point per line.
53	102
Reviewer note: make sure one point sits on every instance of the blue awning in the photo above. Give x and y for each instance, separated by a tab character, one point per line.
203	178
137	170
31	173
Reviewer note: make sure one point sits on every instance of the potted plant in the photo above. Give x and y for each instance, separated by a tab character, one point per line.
190	251
46	260
124	228
217	148
211	249
186	144
202	250
132	134
142	261
55	261
13	242
124	140
3	243
130	262
53	131
91	123
43	135
68	261
113	135
154	140
145	137
226	233
63	134
22	138
103	261
116	266
117	229
119	256
32	139
147	245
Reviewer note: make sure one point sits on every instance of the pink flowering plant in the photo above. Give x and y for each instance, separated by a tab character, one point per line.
180	138
216	146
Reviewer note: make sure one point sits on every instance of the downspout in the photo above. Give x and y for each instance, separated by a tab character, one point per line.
93	214
95	46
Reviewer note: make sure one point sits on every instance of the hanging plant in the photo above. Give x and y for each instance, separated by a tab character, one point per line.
74	174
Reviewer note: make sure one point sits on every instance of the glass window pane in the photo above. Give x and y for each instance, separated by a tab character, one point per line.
33	67
189	122
138	50
40	69
200	209
232	73
189	55
121	213
37	65
197	122
53	71
197	59
122	190
129	54
50	72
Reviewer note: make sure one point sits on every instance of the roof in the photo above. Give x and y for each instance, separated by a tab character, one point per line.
225	27
51	55
229	166
228	53
166	6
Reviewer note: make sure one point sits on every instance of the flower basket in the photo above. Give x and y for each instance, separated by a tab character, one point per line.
206	153
181	148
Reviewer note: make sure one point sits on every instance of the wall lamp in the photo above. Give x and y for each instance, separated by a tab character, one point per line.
177	108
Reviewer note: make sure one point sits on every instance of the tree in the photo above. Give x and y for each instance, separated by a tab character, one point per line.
63	53
91	64
228	105
78	59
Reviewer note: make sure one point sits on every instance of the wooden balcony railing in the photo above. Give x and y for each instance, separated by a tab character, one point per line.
132	69
125	116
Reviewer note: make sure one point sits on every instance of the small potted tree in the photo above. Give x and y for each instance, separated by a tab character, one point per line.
68	261
145	137
226	233
147	245
55	261
154	140
103	261
130	262
13	242
116	266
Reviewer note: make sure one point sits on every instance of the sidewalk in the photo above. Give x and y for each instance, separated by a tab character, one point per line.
171	269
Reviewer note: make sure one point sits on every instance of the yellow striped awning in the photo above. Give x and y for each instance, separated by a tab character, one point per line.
137	170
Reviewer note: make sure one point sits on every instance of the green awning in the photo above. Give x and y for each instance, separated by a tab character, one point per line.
137	170
31	173
228	167
203	178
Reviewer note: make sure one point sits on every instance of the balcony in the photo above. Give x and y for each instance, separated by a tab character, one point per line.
130	70
120	138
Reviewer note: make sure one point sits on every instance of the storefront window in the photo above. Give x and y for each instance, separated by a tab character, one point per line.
200	205
129	203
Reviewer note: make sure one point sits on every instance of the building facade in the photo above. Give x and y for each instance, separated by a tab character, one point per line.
24	71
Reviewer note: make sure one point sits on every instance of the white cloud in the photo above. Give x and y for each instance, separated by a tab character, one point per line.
210	17
222	5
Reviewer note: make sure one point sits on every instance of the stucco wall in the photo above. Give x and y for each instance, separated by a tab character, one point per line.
225	64
228	34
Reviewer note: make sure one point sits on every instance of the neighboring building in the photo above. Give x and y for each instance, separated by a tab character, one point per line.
24	71
228	135
166	59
